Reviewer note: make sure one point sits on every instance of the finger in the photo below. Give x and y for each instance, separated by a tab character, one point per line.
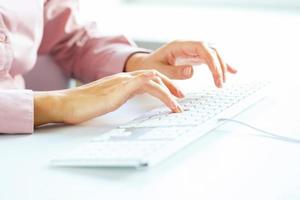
124	90
231	69
165	82
158	80
223	64
192	48
213	65
165	96
144	82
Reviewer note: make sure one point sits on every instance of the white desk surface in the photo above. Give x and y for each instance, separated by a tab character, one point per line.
229	163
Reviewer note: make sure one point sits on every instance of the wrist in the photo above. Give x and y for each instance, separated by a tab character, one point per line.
47	108
135	62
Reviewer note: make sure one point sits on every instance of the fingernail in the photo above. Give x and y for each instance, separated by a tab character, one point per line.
219	83
187	72
180	93
179	109
233	71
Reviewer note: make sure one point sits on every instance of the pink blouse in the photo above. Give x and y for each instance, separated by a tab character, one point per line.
49	27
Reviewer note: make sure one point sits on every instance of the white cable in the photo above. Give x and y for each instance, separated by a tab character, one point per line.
266	133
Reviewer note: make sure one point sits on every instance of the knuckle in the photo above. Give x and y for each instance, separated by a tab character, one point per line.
142	77
153	71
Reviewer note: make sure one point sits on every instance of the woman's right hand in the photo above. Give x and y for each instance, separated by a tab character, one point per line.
79	104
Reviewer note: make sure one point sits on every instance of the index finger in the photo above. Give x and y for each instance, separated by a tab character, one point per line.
214	66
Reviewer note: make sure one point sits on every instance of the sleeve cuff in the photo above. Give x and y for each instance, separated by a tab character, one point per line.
16	111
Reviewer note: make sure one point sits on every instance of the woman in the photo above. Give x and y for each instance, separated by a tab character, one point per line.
38	27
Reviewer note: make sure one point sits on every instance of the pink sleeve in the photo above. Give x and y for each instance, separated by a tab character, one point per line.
16	105
82	52
16	114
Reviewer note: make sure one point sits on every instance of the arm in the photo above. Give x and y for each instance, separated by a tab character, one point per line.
88	57
16	105
80	50
76	105
176	60
21	109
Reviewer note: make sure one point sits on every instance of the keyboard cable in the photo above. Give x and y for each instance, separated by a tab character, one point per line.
266	133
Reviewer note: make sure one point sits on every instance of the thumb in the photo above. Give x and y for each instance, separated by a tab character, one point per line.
180	72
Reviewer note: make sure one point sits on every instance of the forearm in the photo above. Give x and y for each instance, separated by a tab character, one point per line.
47	108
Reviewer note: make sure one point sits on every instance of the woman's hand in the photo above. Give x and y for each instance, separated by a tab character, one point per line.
167	60
79	104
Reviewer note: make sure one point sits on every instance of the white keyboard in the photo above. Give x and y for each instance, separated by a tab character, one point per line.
159	133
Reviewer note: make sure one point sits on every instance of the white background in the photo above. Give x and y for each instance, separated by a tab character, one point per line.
230	163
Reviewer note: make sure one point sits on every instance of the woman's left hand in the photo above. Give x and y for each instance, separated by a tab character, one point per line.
165	59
